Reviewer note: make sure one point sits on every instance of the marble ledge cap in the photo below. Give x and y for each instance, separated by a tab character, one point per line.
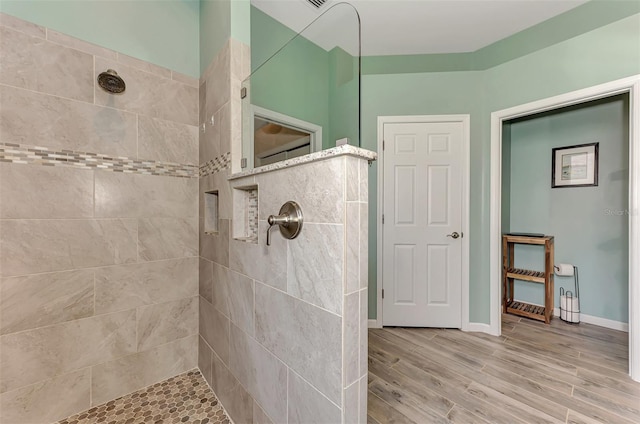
345	150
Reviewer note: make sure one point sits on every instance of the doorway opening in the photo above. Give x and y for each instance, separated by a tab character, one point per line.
502	221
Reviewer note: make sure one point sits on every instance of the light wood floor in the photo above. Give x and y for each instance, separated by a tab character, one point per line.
533	373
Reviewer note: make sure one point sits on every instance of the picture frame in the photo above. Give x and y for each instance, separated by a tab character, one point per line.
574	166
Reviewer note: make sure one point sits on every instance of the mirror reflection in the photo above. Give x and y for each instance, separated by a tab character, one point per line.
305	96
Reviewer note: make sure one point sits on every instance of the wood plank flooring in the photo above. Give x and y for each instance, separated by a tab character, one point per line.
533	373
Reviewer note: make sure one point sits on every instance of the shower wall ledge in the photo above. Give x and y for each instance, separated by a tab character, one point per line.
345	150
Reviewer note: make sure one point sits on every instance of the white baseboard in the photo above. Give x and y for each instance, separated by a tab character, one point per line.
477	327
601	322
373	323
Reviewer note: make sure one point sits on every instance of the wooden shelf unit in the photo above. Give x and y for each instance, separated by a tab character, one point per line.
510	273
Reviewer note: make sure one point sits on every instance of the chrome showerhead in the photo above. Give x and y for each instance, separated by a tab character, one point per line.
111	82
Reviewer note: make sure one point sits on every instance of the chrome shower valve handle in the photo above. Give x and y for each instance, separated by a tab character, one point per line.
289	220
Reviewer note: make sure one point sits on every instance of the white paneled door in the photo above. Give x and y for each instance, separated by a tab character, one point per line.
422	229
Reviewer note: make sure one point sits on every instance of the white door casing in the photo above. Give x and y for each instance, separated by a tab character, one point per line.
629	85
424	199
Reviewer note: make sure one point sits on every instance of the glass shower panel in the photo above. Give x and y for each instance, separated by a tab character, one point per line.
305	96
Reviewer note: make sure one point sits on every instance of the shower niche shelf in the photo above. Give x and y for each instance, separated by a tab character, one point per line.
211	210
245	214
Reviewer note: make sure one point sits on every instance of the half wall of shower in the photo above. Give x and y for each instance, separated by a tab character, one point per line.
283	327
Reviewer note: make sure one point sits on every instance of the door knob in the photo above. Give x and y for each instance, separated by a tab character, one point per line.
454	235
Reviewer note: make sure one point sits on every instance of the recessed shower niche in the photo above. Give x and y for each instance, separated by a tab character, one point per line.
211	212
245	214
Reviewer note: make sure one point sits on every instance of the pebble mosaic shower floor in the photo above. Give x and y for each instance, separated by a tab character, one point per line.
185	398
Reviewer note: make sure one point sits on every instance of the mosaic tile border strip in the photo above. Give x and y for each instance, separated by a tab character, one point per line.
25	154
215	165
185	398
252	214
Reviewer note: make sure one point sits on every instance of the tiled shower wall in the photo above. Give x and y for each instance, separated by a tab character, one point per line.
98	225
282	328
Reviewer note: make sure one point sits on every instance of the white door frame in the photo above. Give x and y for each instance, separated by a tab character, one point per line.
465	120
629	85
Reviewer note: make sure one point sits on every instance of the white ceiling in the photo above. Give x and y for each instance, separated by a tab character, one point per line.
394	27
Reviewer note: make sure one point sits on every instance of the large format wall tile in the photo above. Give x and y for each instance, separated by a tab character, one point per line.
240	297
306	338
77	44
364	245
215	247
315	266
167	141
42	120
307	405
236	400
124	287
204	359
31	356
144	66
318	189
224	118
364	181
149	94
113	379
217	182
47	401
33	246
352	254
214	328
217	76
264	375
28	192
267	264
352	180
144	196
38	65
205	279
166	322
351	403
259	416
209	140
166	238
220	288
364	333
34	301
351	338
22	26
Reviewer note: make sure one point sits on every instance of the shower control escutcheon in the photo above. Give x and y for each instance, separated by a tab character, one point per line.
289	220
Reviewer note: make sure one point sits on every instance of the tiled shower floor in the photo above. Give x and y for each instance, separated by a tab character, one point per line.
185	398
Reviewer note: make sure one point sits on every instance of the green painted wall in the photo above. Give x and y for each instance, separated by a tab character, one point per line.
589	224
344	97
267	37
577	21
603	54
241	20
161	32
215	29
436	93
219	21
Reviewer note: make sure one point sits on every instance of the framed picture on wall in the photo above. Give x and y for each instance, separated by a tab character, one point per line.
574	166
